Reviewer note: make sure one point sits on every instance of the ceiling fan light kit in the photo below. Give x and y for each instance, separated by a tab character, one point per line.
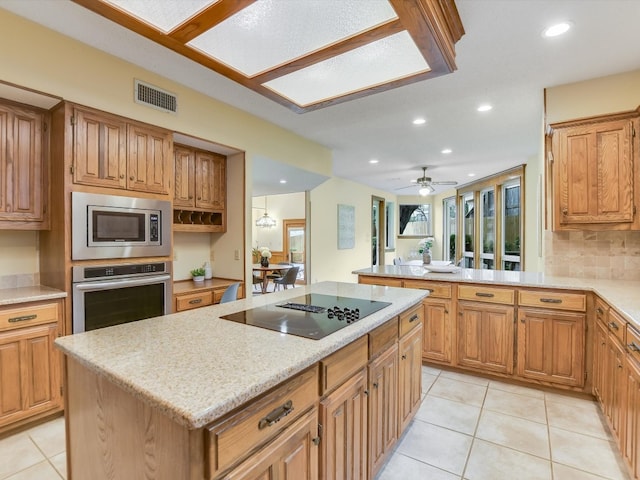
426	184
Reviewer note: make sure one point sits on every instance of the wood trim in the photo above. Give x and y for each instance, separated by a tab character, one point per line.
626	115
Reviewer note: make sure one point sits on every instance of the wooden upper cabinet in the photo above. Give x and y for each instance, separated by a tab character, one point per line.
200	179
148	159
99	149
23	168
595	173
110	151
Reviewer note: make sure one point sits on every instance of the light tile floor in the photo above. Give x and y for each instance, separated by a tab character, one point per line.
467	428
472	428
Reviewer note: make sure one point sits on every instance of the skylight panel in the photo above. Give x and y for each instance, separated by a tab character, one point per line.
391	58
269	33
164	15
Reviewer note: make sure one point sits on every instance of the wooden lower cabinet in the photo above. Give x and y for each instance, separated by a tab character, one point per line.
29	373
292	455
486	336
631	450
344	420
409	377
551	346
437	331
614	387
383	407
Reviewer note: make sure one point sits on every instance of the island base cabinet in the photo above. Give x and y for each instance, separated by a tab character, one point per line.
436	339
551	346
293	455
343	420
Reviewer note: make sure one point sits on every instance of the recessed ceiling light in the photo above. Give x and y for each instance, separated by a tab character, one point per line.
446	150
484	108
283	181
373	160
472	174
419	121
557	29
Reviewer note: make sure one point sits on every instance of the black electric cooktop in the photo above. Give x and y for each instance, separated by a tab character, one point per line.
311	316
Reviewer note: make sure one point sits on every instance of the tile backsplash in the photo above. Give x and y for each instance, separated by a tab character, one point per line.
20	280
604	255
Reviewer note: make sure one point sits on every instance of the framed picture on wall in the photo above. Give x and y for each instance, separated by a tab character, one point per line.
346	226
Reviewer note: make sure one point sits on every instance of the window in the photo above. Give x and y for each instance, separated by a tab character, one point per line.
511	226
492	237
415	221
450	228
487	228
468	229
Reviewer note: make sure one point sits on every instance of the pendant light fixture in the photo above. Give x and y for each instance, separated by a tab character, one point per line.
265	221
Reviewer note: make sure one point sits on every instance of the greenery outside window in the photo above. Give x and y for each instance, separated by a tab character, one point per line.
487	228
468	230
450	229
415	221
512	226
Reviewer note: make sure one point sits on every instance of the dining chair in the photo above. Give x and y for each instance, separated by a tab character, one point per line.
257	280
275	275
231	293
289	278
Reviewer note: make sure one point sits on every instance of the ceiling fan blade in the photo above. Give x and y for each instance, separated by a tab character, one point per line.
408	186
451	182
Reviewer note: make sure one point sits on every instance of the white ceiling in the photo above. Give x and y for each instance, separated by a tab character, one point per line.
502	59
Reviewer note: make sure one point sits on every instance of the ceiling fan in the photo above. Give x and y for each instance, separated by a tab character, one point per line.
426	184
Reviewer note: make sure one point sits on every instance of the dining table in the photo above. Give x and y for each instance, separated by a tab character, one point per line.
264	272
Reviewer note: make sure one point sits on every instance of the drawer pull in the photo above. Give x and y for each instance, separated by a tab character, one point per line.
195	301
483	294
414	318
633	346
23	318
276	415
600	311
614	325
316	441
551	300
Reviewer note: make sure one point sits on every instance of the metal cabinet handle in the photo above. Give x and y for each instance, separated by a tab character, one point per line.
551	300
121	175
404	357
23	318
565	211
375	385
614	325
446	311
195	301
633	346
414	318
483	294
132	177
316	441
600	311
276	415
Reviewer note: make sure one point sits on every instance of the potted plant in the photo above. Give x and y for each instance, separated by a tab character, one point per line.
198	274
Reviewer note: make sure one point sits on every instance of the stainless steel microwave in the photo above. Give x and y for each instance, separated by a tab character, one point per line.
110	226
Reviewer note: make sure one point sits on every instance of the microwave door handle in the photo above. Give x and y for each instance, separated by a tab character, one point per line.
122	283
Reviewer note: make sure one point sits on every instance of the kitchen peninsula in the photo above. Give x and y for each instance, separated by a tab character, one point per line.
192	396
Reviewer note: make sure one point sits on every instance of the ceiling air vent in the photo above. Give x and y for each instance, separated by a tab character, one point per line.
155	97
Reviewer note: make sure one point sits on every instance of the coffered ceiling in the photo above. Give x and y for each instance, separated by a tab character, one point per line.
502	59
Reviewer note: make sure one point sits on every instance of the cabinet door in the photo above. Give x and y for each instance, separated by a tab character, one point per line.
410	377
595	173
485	336
148	163
184	194
22	165
615	386
631	449
210	181
292	455
383	407
436	338
344	420
29	366
551	346
99	149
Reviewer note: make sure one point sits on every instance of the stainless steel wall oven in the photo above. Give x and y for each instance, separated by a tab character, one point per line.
106	295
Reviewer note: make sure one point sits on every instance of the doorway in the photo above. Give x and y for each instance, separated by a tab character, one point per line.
377	230
293	242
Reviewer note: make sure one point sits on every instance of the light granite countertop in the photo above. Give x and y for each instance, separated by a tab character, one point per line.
195	366
624	295
11	296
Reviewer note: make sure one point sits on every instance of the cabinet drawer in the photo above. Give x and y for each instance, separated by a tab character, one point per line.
230	440
339	366
601	310
633	343
556	300
437	290
193	300
383	337
616	325
477	293
411	319
382	281
18	317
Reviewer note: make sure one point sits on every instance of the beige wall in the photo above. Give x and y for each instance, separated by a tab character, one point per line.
82	74
606	255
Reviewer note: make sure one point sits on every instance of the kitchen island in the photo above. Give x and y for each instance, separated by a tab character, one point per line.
149	399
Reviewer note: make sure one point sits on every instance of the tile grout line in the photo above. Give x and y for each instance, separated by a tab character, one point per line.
48	459
475	431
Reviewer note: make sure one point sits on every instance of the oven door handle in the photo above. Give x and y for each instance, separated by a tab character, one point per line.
122	283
